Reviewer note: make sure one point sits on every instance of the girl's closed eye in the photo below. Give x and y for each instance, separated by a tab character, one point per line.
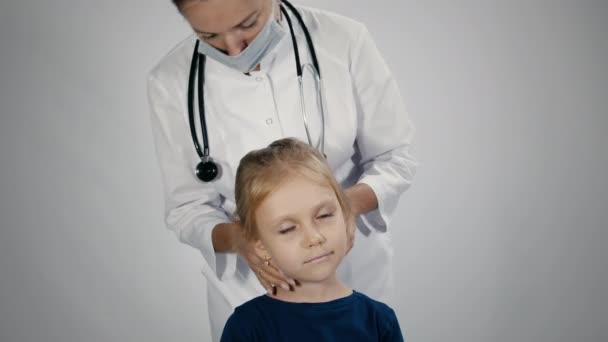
287	230
325	215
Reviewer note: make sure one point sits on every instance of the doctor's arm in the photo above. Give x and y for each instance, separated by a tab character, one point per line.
362	199
192	209
384	134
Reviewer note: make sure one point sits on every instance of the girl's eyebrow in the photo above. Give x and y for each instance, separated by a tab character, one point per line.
235	26
325	203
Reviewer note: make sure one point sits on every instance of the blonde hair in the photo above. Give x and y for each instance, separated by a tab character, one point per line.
261	171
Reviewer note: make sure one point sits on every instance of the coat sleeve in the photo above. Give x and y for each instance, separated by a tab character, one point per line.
384	130
192	208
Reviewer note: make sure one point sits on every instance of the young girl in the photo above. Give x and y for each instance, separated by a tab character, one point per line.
293	209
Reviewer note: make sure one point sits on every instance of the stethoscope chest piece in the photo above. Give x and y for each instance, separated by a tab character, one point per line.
207	171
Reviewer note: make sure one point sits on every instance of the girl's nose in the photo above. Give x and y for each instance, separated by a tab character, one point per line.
314	237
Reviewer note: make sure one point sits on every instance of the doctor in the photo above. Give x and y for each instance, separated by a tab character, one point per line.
234	86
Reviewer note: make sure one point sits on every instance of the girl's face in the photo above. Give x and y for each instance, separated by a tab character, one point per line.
302	227
227	25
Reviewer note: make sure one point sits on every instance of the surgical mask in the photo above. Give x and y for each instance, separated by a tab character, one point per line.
250	57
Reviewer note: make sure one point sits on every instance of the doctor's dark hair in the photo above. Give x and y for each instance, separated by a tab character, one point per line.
180	3
260	172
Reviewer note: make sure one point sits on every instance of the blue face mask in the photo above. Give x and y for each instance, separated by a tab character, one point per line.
250	57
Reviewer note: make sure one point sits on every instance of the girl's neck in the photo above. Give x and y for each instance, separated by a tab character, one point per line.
315	292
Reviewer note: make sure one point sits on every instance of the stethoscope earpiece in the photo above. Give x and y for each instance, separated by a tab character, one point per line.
206	171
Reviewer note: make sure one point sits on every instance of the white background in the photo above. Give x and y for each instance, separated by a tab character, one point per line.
501	237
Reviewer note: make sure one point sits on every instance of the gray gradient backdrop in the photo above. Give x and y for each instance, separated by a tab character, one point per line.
501	238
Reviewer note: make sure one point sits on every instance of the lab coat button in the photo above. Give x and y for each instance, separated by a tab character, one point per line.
269	122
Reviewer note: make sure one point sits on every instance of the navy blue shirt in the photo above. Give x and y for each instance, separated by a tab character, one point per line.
353	318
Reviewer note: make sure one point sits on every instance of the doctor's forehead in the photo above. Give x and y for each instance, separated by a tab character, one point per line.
218	15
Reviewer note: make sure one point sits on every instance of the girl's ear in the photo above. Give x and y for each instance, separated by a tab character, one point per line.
259	247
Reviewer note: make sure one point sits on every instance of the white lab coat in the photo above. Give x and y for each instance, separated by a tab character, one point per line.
368	135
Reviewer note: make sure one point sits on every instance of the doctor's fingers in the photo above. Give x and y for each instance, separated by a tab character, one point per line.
258	263
266	284
351	243
270	275
264	271
276	272
351	233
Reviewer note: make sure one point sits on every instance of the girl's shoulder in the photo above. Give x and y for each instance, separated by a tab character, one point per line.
384	316
382	311
244	323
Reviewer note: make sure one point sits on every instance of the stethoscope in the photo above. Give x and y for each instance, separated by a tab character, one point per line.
207	170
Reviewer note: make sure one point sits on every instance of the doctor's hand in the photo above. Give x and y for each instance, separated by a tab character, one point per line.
362	199
350	233
268	274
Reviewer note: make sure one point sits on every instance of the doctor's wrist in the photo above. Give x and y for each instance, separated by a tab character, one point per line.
361	198
224	237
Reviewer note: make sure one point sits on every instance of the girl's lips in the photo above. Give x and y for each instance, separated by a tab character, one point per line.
319	258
